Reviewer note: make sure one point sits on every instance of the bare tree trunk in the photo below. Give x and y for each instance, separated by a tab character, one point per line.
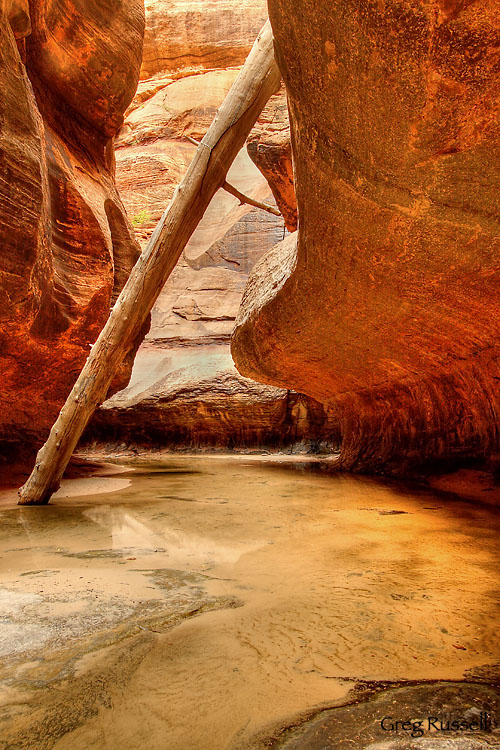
257	81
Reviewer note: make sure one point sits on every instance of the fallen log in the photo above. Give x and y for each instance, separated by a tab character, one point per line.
257	81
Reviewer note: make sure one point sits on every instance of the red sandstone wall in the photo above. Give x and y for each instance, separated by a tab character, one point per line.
66	244
388	312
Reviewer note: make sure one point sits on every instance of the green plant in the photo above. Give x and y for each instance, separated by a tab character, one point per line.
141	218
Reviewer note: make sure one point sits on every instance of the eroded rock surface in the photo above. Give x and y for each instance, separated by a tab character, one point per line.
371	724
67	246
270	149
389	311
193	397
194	35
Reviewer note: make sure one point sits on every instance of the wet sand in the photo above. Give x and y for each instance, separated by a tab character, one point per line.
209	603
84	477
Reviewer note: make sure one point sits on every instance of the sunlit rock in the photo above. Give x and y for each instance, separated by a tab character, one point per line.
389	314
67	246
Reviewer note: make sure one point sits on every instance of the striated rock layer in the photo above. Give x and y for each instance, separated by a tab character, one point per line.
193	397
197	35
67	246
387	309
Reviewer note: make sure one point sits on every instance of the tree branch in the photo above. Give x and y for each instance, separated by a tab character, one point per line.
241	196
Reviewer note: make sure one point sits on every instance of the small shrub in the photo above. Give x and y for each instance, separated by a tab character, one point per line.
141	218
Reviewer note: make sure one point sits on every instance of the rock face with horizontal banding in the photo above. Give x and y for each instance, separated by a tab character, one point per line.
67	247
197	35
389	310
192	397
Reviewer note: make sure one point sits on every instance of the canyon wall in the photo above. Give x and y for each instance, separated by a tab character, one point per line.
197	35
386	307
185	391
66	78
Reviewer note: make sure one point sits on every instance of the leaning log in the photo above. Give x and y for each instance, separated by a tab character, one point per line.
255	84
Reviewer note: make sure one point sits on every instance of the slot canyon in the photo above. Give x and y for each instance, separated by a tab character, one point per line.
279	527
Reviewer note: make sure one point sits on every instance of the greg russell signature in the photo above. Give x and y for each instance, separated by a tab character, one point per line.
417	728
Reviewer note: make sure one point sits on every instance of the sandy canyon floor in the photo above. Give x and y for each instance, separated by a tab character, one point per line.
206	603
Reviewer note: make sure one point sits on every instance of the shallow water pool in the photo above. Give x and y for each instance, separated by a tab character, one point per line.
206	602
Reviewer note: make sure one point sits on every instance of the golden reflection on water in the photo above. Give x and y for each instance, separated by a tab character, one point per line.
129	535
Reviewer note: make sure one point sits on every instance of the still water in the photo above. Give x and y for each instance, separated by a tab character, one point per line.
206	601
